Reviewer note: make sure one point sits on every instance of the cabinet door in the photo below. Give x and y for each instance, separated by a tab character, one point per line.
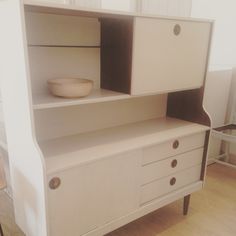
94	194
169	55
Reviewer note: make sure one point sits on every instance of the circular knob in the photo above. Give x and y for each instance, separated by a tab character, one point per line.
174	163
175	144
172	181
177	29
54	183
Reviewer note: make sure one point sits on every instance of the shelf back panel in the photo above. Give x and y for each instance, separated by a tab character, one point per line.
58	122
47	63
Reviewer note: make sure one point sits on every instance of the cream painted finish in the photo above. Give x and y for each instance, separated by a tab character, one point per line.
161	187
164	168
73	120
26	161
51	29
97	158
47	100
166	149
69	151
159	55
60	62
90	189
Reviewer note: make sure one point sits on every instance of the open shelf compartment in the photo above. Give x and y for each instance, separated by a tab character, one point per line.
65	152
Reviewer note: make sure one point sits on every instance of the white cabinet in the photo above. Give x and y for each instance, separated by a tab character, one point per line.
89	166
168	55
94	194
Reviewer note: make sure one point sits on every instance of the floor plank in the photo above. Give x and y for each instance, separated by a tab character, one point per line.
212	212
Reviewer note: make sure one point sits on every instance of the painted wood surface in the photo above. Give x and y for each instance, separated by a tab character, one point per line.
101	193
51	29
66	152
46	100
166	149
161	187
71	155
75	10
164	168
73	120
159	55
26	162
49	62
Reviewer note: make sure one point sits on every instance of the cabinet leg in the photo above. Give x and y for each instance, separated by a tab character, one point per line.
1	232
186	204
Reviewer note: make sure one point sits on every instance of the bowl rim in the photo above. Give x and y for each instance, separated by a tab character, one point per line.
69	81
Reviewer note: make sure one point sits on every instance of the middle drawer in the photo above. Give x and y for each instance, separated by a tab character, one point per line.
170	165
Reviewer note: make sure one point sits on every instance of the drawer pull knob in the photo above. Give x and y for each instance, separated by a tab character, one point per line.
54	183
174	163
177	29
175	144
172	181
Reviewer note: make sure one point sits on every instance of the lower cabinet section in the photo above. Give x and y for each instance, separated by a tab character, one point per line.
97	197
94	194
168	184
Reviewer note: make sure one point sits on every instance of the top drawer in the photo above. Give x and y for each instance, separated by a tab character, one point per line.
172	148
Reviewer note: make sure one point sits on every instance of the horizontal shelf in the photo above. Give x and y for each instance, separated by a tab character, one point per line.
64	46
46	100
66	152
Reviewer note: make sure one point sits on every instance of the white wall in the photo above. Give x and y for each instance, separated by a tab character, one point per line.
224	38
119	5
223	53
166	7
215	101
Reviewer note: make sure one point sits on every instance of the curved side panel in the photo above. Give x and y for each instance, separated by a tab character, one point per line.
188	105
26	162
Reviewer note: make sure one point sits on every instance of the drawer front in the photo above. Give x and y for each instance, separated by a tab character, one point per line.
168	184
171	165
172	148
173	49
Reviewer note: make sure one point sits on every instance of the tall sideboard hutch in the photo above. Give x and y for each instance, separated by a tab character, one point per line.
138	142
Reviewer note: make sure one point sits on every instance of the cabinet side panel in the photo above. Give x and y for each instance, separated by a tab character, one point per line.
187	105
26	165
116	54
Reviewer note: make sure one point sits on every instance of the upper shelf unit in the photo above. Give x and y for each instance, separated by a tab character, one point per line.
124	55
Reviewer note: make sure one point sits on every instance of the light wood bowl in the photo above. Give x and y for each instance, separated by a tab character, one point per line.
70	87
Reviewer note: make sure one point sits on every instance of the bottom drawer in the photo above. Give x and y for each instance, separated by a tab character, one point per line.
168	184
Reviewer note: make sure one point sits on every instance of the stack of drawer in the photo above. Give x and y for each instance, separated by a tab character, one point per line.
172	165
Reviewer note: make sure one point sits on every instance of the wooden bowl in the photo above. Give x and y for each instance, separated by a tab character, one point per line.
70	87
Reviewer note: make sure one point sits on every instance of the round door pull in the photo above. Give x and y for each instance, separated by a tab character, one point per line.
175	144
54	183
174	163
177	29
172	181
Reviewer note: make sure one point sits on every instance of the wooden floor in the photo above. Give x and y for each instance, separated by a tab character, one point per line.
212	212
